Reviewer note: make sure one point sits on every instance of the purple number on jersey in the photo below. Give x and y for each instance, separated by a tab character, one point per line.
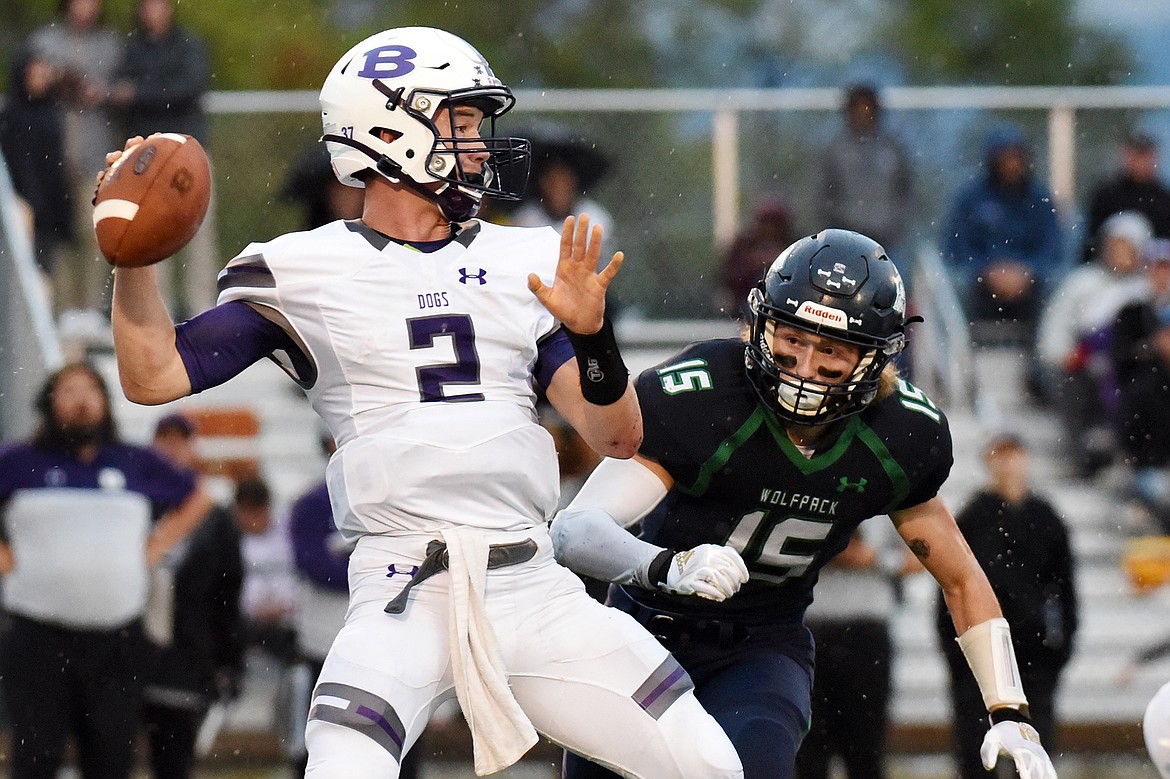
465	369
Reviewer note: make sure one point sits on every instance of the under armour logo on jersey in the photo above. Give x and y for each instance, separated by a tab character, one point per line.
481	276
407	571
845	484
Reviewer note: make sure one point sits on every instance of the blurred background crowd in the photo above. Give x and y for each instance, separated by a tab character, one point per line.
1060	284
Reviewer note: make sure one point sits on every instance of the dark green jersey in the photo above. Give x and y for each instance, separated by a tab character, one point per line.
740	481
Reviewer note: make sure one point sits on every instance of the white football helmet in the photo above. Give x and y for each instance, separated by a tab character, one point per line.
398	80
1156	727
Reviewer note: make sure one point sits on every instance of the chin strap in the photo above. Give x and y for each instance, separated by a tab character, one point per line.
456	206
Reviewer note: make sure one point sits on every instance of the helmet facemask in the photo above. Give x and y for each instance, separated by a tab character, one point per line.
810	401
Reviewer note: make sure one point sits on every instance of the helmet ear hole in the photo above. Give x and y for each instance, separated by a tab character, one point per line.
386	134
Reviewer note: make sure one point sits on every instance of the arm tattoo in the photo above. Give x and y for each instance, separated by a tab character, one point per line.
920	548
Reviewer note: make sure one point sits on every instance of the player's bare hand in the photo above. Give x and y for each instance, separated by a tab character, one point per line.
577	295
112	158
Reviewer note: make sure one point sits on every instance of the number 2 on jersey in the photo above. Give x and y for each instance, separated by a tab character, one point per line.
433	378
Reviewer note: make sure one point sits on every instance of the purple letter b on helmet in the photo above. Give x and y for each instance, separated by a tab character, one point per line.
388	62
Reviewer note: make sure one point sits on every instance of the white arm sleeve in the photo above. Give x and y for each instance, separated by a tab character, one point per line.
624	489
590	536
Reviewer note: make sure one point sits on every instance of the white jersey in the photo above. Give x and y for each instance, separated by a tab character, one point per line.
421	367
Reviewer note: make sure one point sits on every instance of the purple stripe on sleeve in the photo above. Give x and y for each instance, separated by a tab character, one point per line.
553	352
220	343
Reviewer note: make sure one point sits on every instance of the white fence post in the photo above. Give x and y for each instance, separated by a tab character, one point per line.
1062	156
725	174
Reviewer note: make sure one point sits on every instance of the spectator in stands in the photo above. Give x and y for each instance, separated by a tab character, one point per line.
564	168
159	87
1003	241
83	50
1134	187
1145	425
1073	340
750	255
193	625
311	184
270	591
82	528
1023	546
866	178
321	557
850	621
32	142
1137	320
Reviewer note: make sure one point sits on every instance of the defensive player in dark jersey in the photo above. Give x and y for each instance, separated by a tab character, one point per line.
774	466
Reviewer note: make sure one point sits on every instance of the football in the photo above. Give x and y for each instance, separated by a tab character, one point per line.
152	200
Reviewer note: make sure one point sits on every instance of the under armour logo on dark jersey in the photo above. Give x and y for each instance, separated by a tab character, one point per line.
845	484
407	571
481	277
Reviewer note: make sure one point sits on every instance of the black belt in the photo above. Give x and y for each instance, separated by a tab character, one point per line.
437	560
677	630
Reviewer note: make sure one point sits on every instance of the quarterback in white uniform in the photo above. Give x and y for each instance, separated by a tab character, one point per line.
422	336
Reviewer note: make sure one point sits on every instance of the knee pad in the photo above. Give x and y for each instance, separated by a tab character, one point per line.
335	750
700	746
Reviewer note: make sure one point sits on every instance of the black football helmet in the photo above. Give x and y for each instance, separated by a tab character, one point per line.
840	284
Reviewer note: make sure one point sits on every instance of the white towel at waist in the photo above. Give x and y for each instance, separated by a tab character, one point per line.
501	732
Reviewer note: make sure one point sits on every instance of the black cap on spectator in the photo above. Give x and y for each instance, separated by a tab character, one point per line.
1141	141
861	92
177	422
1003	439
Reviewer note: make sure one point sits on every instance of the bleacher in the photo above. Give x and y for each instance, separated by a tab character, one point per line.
1115	619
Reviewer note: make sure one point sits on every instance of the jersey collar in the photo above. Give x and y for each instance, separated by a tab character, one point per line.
462	233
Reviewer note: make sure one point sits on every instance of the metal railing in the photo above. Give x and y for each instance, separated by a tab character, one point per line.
727	106
29	347
941	355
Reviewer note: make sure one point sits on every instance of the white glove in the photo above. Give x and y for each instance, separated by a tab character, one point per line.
1020	742
709	571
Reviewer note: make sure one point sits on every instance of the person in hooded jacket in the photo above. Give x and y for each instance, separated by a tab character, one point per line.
33	143
1003	240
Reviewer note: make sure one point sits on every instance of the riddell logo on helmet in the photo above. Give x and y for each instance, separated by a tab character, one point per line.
822	315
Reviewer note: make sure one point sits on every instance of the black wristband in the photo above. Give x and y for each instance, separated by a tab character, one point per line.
604	377
1008	714
656	572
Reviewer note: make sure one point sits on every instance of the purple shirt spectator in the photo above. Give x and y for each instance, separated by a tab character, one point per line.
311	529
117	466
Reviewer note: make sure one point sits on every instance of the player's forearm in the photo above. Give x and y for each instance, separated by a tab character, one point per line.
611	416
970	601
177	525
614	430
149	366
590	542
